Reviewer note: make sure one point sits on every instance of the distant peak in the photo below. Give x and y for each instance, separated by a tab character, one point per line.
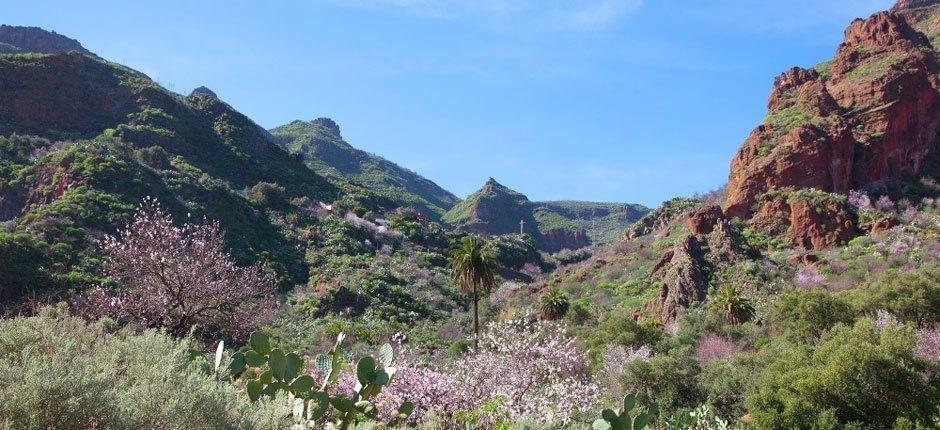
35	39
903	5
328	124
203	92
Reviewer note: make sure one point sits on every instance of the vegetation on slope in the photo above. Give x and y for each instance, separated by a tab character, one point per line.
323	149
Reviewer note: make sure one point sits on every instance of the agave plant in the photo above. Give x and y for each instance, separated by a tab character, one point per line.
553	304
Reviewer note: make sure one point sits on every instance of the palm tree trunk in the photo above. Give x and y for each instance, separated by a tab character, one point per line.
476	319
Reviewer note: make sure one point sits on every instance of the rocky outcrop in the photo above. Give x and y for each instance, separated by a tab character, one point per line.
555	240
661	217
496	209
788	153
328	124
870	116
703	221
35	39
204	92
908	5
805	221
683	280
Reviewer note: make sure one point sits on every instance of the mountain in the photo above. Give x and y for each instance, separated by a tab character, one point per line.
322	147
35	39
866	120
496	209
83	141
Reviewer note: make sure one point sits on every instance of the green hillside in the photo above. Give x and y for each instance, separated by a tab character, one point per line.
322	147
497	209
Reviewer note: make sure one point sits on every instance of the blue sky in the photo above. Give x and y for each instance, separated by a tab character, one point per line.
610	100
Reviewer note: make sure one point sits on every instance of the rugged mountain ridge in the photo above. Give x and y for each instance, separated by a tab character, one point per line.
324	150
35	39
869	119
496	209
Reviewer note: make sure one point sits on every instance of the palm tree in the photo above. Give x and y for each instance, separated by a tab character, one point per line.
474	269
553	304
730	300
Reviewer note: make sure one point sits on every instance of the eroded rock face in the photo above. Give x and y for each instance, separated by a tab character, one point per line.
683	280
555	240
791	154
870	116
804	222
35	39
703	221
906	5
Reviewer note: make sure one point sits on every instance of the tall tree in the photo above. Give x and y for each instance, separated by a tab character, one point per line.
474	267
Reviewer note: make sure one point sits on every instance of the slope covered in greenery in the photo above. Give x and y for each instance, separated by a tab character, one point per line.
322	147
497	209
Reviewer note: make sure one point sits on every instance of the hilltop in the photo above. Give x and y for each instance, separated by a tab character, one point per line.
321	146
496	209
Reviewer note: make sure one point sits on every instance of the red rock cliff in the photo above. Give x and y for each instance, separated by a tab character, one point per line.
869	116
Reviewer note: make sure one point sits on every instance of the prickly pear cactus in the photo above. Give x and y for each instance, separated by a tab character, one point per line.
268	370
633	416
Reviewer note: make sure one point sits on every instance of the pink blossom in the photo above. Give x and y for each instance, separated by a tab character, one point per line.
929	346
712	347
178	278
808	277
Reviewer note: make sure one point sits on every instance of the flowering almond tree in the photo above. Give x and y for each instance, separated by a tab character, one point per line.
179	278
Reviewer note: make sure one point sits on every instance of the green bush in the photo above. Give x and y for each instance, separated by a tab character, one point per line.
912	296
668	378
856	377
57	371
806	314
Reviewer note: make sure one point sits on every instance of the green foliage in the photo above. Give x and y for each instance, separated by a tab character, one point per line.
807	314
618	327
268	194
553	304
859	376
636	414
60	372
790	113
910	296
732	304
268	370
873	66
474	269
666	378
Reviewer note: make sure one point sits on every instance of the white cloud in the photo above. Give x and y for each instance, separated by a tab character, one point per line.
585	15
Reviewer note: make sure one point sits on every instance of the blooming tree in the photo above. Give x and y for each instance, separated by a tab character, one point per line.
179	278
713	347
535	367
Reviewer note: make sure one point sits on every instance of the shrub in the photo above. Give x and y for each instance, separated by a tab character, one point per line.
912	296
859	376
57	371
667	378
806	314
267	194
534	366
